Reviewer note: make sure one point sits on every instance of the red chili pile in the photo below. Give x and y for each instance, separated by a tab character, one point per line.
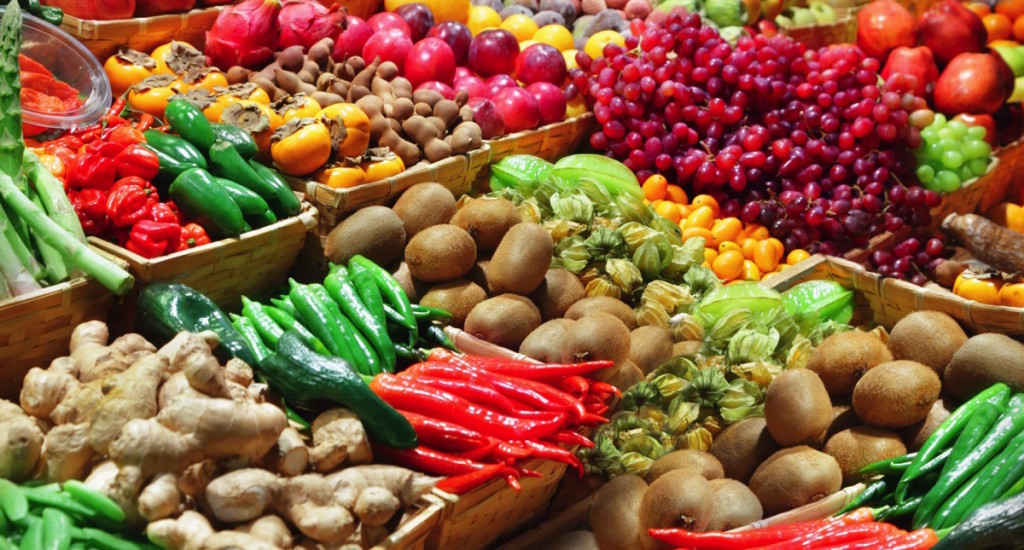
108	173
477	418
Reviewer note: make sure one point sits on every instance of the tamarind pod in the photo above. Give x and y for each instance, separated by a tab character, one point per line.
12	501
56	527
63	501
101	503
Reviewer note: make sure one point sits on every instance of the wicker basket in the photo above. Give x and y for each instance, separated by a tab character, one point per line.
36	328
550	142
104	38
842	31
224	270
359	8
1011	161
416	526
994	184
456	173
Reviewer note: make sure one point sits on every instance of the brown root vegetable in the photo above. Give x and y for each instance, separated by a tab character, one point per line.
21	442
161	498
998	246
193	530
338	439
290	457
67	452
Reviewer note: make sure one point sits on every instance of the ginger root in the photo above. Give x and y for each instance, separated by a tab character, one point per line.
21	443
161	498
192	531
68	452
338	438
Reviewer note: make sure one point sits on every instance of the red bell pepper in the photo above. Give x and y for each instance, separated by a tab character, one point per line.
151	239
130	199
92	170
91	206
192	235
123	134
166	212
137	160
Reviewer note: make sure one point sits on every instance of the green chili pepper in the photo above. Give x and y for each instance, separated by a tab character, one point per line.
101	503
202	199
390	290
247	329
175	147
902	510
320	318
999	475
190	123
955	507
873	491
5	527
235	135
888	466
436	334
976	429
408	354
284	304
268	330
369	295
52	15
963	468
948	431
294	417
255	210
362	316
285	203
286	321
394	317
430	313
226	162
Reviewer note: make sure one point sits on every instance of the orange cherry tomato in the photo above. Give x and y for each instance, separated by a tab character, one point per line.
706	200
796	256
655	187
766	256
702	216
702	232
677	195
728	265
727	229
710	254
747	245
750	271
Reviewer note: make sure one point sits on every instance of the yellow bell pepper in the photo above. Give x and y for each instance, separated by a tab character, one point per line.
126	69
301	146
341	176
154	93
379	168
296	106
176	58
354	128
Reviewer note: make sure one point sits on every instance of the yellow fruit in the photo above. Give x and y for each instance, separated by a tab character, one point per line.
570	59
443	10
596	43
576	106
555	35
521	26
482	18
526	44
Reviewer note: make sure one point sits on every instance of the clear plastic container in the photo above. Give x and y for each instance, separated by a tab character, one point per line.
70	63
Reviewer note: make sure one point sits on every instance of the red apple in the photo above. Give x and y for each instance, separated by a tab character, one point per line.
973	83
419	18
493	52
461	71
883	25
388	20
917	62
550	101
390	45
986	122
439	87
499	82
430	59
950	29
473	85
767	28
457	35
351	40
519	109
541	63
487	116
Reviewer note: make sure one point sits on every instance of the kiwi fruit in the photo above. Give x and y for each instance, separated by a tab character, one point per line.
857	447
793	477
596	337
622	376
413	289
521	261
982	361
523	300
575	540
843	417
478	274
502	320
440	253
545	342
558	291
914	436
615	513
797	408
733	505
687	348
699	462
742	447
649	347
680	499
424	205
843	358
928	337
606	304
899	394
375	232
487	220
457	297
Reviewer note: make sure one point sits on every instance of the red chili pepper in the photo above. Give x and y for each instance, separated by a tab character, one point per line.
920	539
145	122
91	170
91	207
151	239
192	235
871	543
442	355
536	371
476	393
406	394
123	134
605	389
444	436
576	386
137	160
507	451
751	538
551	452
427	460
131	199
835	533
116	108
462	484
481	453
570	437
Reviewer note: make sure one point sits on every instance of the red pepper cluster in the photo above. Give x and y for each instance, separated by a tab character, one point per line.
108	175
477	417
853	531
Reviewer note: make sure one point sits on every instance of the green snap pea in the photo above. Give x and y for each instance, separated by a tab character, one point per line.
59	500
13	501
101	503
32	539
56	530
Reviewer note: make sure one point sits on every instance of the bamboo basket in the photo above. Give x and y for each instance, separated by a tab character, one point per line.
1011	161
223	270
359	8
457	173
884	301
550	142
969	198
416	526
104	38
842	31
36	328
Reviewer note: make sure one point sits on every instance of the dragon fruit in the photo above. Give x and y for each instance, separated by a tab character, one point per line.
304	23
245	34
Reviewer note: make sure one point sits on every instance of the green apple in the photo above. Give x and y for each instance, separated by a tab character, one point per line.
726	13
1018	90
802	17
824	14
1013	56
690	5
783	22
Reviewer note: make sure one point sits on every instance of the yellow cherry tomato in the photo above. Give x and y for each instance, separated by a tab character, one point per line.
341	176
750	271
728	245
557	36
702	232
747	245
983	291
677	195
780	249
701	216
766	256
710	254
126	69
669	210
356	127
706	200
482	18
576	106
728	265
301	147
756	231
596	43
526	44
570	59
796	256
521	26
727	230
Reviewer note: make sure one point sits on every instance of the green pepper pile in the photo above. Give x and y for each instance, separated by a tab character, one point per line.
68	515
972	459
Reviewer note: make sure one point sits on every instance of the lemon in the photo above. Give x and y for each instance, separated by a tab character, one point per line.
575	107
597	42
555	35
482	18
570	59
521	26
526	44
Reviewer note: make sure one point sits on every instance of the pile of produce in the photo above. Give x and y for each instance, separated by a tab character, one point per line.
42	93
125	9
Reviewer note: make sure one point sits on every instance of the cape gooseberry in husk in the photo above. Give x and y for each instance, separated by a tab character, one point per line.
896	394
794	477
677	500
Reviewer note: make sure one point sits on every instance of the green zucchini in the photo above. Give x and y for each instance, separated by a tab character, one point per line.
307	379
998	524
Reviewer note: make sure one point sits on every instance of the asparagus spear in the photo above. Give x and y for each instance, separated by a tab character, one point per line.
16	276
51	193
56	269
